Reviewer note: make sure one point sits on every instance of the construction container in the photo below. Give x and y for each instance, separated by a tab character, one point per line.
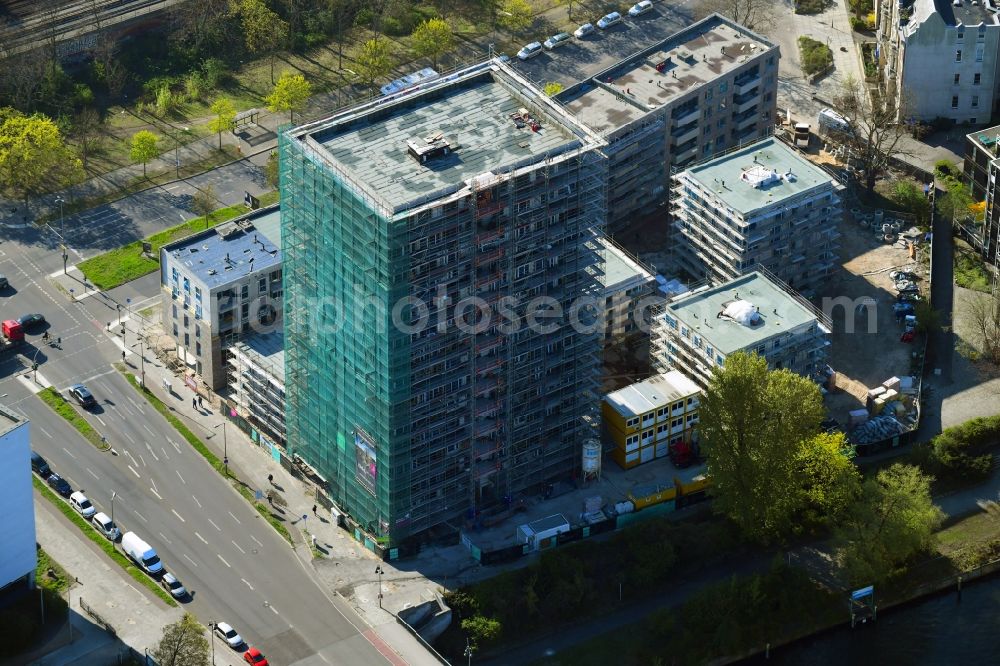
696	485
891	384
541	533
625	460
647	453
651	493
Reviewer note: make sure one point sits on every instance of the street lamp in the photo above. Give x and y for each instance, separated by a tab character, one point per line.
142	363
211	626
468	651
177	156
114	494
119	306
225	445
61	201
65	257
378	570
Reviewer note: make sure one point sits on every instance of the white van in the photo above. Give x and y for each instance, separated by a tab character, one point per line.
142	554
82	505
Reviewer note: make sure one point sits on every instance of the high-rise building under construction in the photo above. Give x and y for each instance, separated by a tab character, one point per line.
420	231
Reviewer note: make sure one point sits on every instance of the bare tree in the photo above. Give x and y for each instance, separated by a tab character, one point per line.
754	14
983	311
200	20
876	134
87	132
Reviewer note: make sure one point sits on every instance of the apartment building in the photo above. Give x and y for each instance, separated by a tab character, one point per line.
420	230
256	383
762	205
706	88
218	285
754	313
18	557
982	164
626	284
643	420
939	57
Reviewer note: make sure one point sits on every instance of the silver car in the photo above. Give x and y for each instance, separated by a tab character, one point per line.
174	587
557	40
530	51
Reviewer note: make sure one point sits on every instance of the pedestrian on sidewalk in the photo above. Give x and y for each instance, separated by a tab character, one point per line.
194	403
314	509
200	405
270	479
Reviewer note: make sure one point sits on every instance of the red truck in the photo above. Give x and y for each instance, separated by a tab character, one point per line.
12	334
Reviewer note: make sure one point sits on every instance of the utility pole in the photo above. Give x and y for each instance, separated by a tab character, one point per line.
114	494
62	227
378	570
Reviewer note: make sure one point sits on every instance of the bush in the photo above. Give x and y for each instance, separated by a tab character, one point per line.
216	72
857	24
810	6
814	55
164	101
944	169
195	86
964	452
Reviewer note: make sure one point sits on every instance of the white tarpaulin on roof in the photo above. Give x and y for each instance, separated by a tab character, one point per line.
742	312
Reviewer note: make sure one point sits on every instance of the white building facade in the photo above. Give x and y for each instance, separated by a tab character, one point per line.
626	283
18	555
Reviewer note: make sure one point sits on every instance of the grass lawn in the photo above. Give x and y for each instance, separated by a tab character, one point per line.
213	460
65	409
814	55
102	543
21	626
969	270
127	263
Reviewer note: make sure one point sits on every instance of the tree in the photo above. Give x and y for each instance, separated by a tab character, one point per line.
828	479
553	88
262	29
754	14
753	424
956	201
271	169
983	313
290	93
33	154
373	60
204	203
908	196
145	146
482	630
515	15
183	644
892	520
432	38
224	117
876	133
87	132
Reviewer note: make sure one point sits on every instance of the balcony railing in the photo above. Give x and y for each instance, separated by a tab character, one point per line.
688	117
746	86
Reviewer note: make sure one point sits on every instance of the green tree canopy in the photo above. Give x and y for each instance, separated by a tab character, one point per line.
753	426
515	15
145	146
33	154
553	88
893	519
290	93
432	38
373	60
828	479
263	30
183	644
223	118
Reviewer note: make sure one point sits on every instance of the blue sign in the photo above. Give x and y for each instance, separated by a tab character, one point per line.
863	592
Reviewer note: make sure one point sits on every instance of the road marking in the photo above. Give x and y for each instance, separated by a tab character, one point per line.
101	420
129	437
165	538
178	515
153	490
224	560
129	454
69	453
202	538
92	474
134	472
258	542
214	525
189	559
155	457
45	432
196	501
140	516
136	405
180	477
148	430
248	584
164	449
273	609
134	589
174	445
235	518
142	459
238	546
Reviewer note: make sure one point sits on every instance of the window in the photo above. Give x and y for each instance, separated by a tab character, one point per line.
958	77
723	87
975	101
174	309
960	35
980	48
262	285
175	330
678	405
197	348
709	353
662	411
631	423
977	79
954	101
186	321
187	340
721	123
708	95
958	55
245	292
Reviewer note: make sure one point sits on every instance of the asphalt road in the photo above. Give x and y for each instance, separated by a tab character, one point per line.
239	570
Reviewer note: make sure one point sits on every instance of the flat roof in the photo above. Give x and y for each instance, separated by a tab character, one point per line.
619	268
966	13
9	420
988	139
266	351
218	255
470	112
652	393
767	162
662	73
779	312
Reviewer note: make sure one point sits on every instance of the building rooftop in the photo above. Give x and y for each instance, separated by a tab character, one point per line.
966	13
988	139
416	146
662	73
651	393
777	311
267	351
246	244
758	175
620	270
9	420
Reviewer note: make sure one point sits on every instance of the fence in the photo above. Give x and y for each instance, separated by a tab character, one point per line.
427	646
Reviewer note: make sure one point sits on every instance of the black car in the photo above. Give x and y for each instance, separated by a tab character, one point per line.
59	484
3	282
31	320
82	395
39	466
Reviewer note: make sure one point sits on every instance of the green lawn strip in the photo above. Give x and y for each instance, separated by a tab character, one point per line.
58	581
65	409
127	263
212	459
102	543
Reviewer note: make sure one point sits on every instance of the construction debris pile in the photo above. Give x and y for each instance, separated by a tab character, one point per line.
877	429
891	409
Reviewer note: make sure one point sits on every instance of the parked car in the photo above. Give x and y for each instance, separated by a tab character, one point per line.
896	276
82	505
584	30
228	634
3	282
556	41
59	484
530	51
82	395
39	466
142	554
31	320
253	656
609	20
173	586
106	526
640	8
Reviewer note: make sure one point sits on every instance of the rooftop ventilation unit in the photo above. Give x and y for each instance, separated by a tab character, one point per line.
431	147
227	230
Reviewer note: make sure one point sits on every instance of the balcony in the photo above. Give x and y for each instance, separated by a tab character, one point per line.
747	86
743	106
687	135
750	119
685	154
688	117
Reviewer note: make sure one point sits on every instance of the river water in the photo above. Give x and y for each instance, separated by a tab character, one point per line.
937	630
